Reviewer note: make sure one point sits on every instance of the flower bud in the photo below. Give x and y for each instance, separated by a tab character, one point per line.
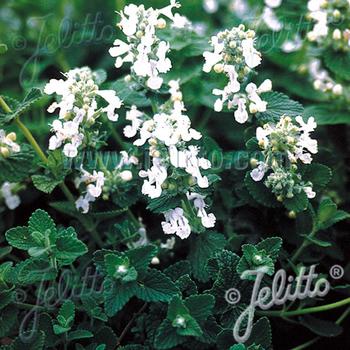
336	14
337	89
161	23
12	136
139	34
336	34
4	152
126	175
155	261
280	198
218	68
292	214
127	78
253	162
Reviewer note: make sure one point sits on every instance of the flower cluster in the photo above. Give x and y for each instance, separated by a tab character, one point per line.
11	199
102	183
321	78
167	134
283	144
331	26
235	55
78	108
8	144
143	49
93	183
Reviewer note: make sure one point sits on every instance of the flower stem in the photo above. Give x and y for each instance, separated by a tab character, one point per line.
30	138
308	310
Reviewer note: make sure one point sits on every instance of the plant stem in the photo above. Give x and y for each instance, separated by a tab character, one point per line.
30	138
308	310
129	324
304	244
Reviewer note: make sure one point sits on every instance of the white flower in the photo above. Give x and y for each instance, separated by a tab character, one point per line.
273	3
156	175
78	108
176	223
134	116
212	58
12	201
94	183
258	173
241	114
211	6
257	104
309	192
271	20
251	55
292	45
208	220
114	102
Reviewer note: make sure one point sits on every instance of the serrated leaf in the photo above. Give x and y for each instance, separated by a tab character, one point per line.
19	237
68	249
41	221
45	183
200	306
18	166
116	295
338	63
141	257
327	115
34	270
279	104
320	175
167	337
298	203
156	286
202	248
260	192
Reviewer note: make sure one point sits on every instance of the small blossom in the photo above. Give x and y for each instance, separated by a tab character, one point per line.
176	223
12	200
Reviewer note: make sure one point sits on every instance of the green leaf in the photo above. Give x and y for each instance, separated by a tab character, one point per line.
320	175
298	203
68	249
261	334
18	166
29	341
65	318
202	248
33	96
156	286
34	270
321	327
79	334
338	62
141	257
19	237
116	295
328	214
45	183
272	246
167	337
41	221
327	115
317	241
200	306
279	104
260	192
